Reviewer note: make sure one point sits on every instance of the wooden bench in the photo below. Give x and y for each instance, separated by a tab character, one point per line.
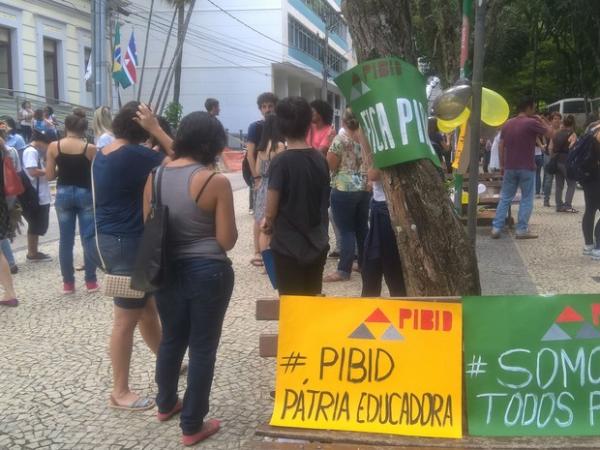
311	439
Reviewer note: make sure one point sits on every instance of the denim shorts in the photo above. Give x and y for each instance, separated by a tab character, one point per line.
118	253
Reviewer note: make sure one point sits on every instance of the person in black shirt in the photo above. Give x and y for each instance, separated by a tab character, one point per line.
297	203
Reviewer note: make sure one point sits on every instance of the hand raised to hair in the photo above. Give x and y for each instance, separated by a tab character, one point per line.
146	119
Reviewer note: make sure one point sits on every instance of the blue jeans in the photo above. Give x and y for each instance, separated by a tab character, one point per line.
539	163
512	180
547	183
74	203
191	308
351	215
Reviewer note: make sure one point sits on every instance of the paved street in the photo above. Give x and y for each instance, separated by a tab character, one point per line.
55	369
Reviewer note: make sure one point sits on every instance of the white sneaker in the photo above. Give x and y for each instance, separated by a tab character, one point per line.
587	250
596	254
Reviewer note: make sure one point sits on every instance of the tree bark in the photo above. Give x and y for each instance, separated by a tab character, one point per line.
437	256
178	62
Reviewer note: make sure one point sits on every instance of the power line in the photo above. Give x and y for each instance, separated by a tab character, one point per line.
246	25
195	29
245	53
157	27
203	38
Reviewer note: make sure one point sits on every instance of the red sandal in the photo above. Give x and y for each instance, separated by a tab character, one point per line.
209	428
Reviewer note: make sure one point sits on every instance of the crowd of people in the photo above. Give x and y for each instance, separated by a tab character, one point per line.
297	193
305	178
530	143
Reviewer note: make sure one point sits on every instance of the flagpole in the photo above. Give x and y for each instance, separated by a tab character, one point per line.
145	50
132	37
112	62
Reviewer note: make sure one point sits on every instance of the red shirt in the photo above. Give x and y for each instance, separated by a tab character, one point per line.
519	135
320	139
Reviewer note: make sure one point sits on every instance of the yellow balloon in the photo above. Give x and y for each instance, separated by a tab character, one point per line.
443	128
494	109
450	125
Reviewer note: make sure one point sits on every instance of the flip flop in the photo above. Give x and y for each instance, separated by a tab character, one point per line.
10	302
163	417
141	404
257	261
209	428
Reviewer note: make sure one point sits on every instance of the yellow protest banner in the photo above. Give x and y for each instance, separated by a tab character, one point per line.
370	365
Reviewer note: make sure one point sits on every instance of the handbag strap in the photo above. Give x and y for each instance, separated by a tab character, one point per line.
95	221
157	174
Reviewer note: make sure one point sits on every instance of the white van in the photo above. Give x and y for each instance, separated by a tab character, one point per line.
572	106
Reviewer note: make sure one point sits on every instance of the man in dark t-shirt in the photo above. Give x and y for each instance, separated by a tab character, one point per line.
266	104
517	161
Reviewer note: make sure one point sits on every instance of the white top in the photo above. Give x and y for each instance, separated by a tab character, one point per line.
103	140
26	122
538	151
494	155
378	194
32	159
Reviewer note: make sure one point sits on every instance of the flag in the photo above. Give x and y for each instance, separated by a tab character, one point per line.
130	61
88	69
117	69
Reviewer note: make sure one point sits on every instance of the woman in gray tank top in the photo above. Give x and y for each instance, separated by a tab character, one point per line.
192	305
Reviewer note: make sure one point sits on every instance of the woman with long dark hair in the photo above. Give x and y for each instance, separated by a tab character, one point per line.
321	132
591	194
69	160
193	302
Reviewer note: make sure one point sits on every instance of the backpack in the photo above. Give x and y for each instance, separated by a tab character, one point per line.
582	161
29	199
13	186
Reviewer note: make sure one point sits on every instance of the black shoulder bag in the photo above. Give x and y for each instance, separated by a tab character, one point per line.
149	273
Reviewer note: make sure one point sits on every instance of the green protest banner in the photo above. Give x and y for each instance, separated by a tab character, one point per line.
532	365
387	96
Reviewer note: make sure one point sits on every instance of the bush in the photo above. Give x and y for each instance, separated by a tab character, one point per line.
173	114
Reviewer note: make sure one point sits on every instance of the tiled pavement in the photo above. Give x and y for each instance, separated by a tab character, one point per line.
54	367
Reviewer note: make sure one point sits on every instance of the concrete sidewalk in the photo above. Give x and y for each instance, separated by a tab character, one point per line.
56	374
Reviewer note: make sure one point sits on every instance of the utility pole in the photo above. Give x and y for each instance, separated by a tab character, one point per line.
475	119
99	12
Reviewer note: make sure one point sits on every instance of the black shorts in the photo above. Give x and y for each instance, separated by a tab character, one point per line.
37	218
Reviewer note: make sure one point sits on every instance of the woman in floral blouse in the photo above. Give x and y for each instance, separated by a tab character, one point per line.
349	195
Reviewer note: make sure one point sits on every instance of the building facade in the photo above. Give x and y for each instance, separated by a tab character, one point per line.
236	49
44	48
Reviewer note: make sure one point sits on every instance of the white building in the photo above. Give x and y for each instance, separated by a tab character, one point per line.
237	49
44	46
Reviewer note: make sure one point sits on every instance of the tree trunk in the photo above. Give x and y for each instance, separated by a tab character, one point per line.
180	34
437	256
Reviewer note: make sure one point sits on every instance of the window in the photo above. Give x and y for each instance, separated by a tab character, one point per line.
328	15
5	59
574	107
89	83
51	68
303	39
